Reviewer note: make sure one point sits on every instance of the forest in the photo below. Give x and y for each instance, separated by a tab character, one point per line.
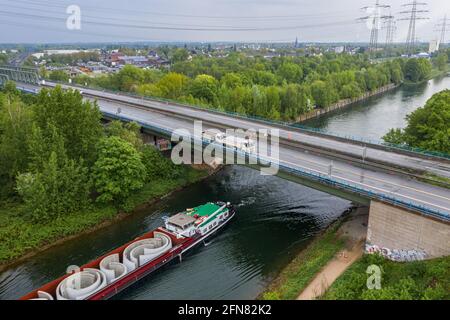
280	88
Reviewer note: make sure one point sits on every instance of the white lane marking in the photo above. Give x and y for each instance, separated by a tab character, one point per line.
376	179
372	187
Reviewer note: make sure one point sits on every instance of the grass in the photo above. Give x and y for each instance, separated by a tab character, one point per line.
19	236
438	180
300	271
419	280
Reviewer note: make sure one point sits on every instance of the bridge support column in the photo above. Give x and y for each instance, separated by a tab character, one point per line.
398	229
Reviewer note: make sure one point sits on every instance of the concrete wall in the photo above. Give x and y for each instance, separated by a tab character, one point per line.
396	228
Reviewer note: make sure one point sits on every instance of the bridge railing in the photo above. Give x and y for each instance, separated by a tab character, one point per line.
310	174
289	125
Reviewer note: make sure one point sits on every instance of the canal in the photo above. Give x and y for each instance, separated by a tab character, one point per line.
275	220
371	119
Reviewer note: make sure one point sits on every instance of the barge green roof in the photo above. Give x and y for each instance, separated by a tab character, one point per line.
204	210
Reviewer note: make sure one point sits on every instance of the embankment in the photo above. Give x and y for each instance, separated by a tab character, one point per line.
344	103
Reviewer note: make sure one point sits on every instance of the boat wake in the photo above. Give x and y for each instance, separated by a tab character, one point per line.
246	202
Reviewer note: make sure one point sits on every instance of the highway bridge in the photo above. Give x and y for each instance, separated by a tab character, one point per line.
362	172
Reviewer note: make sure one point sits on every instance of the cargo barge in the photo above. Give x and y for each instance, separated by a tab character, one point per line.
113	272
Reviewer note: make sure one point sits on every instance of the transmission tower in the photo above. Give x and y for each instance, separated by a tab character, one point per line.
390	26
375	20
443	28
413	17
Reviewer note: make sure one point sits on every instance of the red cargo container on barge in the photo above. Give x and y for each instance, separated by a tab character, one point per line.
113	272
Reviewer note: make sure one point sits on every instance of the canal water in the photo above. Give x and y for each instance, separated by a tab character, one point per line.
275	220
372	118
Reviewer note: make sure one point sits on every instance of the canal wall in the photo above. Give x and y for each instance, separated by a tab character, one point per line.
397	230
343	103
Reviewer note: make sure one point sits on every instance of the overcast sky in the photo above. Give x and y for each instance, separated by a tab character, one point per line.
44	21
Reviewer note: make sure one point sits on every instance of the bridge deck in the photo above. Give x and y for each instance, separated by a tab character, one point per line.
369	178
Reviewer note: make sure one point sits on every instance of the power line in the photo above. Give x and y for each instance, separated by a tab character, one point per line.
413	17
47	4
184	28
92	17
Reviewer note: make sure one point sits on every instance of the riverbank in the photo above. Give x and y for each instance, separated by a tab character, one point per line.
344	103
418	280
20	239
303	269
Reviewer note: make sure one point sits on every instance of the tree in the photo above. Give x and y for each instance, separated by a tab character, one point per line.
130	132
128	78
59	76
157	166
323	93
150	90
77	121
350	91
118	171
179	55
417	70
204	87
427	127
15	124
3	58
441	61
396	73
372	79
394	136
231	80
173	85
60	187
290	72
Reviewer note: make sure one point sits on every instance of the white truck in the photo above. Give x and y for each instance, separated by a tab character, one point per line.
244	144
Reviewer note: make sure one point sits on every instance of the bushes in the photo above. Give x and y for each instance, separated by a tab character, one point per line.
422	280
298	274
157	166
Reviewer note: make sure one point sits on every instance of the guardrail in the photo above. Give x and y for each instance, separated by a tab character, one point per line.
335	182
288	125
309	174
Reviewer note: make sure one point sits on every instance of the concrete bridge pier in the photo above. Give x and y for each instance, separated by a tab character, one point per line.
400	230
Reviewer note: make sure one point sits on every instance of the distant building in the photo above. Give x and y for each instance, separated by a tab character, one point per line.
434	46
339	49
422	55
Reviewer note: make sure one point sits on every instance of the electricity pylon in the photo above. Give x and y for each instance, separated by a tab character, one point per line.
413	17
375	20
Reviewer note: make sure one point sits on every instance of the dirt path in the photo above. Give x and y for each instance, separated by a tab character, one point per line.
354	230
323	280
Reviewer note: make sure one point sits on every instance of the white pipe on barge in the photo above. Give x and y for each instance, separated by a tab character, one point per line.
111	273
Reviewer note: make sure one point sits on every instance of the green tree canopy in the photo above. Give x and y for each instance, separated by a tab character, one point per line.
204	87
77	121
118	171
427	127
417	70
15	125
173	85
